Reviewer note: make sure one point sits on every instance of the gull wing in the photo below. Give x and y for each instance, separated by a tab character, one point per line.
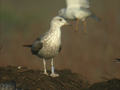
84	3
78	3
37	45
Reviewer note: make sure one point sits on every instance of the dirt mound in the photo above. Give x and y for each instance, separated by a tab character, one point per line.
27	79
113	84
35	79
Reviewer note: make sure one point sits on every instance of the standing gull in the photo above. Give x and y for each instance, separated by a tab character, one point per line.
77	10
48	45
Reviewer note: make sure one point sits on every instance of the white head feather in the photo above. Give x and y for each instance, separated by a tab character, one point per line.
58	21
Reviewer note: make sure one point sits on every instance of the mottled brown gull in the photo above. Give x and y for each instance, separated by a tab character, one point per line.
48	45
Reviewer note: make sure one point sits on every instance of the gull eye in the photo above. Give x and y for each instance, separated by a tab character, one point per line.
60	19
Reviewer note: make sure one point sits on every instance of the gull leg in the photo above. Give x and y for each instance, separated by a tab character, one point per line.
85	25
52	70
77	24
45	70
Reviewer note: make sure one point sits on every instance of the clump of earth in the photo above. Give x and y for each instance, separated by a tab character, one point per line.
28	79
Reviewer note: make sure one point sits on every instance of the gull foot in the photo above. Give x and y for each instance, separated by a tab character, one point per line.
45	73
54	75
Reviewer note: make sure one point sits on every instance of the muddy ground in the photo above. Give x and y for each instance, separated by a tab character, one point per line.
28	79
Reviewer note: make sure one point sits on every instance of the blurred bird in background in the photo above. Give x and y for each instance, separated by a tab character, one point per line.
48	45
77	10
117	60
8	86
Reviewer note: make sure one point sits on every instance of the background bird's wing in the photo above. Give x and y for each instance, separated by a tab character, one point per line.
84	3
78	3
73	3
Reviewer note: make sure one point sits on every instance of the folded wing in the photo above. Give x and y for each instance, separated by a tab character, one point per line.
37	45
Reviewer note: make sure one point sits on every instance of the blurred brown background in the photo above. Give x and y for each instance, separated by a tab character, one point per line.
89	54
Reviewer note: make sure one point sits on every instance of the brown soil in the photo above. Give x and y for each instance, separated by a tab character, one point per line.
35	79
113	84
28	79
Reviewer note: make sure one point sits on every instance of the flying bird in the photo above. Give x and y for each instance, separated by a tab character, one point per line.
77	10
48	45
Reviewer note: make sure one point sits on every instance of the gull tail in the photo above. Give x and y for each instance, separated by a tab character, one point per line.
95	17
29	46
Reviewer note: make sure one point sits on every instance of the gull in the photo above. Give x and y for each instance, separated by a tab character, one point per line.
77	10
117	60
8	86
48	45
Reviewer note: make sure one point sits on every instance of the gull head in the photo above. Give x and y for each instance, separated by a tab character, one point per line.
62	12
59	21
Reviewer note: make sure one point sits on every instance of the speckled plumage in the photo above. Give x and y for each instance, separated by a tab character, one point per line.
48	45
51	44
